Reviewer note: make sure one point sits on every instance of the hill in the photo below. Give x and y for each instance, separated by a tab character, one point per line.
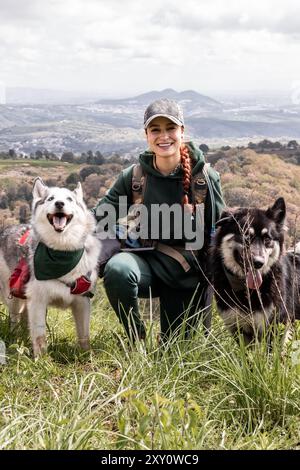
187	98
203	393
248	178
17	177
252	179
116	125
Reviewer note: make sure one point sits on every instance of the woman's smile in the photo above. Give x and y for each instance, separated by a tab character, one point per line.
165	145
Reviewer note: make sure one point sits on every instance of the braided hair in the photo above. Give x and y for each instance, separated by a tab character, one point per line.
187	172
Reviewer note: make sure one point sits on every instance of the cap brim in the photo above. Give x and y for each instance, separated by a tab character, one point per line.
171	118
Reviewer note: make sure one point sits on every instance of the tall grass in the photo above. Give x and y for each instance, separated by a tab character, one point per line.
202	393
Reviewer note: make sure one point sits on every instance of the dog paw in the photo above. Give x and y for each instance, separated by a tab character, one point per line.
39	346
84	344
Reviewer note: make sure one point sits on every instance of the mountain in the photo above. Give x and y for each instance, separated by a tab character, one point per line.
187	98
117	125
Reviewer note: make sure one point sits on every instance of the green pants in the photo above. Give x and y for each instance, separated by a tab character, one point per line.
128	276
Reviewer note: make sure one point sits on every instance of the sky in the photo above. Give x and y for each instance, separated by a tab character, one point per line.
122	48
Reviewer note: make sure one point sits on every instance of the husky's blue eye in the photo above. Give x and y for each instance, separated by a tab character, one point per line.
51	198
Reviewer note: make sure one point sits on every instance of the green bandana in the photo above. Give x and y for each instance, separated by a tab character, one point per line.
52	264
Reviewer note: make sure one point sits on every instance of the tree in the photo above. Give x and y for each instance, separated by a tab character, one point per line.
72	179
39	155
99	159
12	153
252	146
4	155
225	148
90	157
82	158
115	158
268	144
88	170
67	157
292	145
46	154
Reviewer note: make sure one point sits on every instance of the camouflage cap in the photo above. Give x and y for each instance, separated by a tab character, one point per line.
164	108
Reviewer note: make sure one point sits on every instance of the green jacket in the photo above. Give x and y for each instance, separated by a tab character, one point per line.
169	190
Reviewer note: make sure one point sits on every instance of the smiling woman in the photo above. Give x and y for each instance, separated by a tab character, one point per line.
174	189
164	138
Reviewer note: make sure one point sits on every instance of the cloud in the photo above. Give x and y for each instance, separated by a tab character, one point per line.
14	10
210	16
111	44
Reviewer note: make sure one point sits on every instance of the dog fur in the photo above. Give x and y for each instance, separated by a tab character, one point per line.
62	222
255	282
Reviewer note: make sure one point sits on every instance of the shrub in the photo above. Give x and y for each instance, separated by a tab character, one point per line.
88	170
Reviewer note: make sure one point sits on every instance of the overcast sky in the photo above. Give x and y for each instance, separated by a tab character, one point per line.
125	47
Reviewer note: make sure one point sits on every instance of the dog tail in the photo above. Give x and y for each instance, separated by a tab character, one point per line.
297	248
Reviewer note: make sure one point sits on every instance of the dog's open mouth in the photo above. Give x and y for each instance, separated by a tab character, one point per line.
254	279
59	220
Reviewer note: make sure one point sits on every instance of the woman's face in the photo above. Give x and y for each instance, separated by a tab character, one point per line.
164	137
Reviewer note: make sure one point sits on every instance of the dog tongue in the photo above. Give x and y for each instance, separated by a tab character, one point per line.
254	279
59	222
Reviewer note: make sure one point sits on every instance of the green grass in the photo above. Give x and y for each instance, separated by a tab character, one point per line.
29	162
205	393
10	164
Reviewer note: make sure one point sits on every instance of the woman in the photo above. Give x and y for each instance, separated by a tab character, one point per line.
163	266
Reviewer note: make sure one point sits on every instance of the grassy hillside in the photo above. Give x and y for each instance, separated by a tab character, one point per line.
17	177
206	393
248	178
251	179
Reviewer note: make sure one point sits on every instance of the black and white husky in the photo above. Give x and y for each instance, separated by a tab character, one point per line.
61	233
255	282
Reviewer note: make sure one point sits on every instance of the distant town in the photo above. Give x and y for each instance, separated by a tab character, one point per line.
35	122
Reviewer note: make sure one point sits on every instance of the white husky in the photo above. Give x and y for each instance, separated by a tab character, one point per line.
63	257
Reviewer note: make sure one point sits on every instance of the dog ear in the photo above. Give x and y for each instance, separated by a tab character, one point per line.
278	211
39	189
78	192
225	217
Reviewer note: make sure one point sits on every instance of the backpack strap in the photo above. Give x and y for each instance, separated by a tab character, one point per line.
138	184
199	187
175	253
201	184
212	198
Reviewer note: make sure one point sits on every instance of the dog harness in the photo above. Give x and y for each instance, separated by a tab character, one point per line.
48	264
21	273
52	264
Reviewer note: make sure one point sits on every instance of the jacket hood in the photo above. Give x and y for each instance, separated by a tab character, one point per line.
146	161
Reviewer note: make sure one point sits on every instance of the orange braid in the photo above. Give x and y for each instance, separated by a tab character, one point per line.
187	172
